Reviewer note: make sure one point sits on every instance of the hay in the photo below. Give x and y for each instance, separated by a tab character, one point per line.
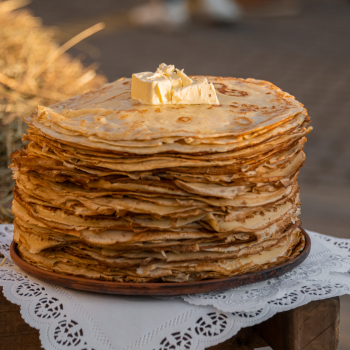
33	70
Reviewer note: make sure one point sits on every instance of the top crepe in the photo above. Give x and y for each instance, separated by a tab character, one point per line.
110	113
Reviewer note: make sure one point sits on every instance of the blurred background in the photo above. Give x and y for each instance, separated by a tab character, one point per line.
302	46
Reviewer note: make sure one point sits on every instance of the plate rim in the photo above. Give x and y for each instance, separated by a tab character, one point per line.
159	288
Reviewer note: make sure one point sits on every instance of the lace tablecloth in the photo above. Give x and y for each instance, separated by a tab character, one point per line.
69	319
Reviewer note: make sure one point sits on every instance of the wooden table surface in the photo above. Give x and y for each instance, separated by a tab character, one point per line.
314	326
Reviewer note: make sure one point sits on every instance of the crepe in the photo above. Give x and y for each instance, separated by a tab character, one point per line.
146	269
111	189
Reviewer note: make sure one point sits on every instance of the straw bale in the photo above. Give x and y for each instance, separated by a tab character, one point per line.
33	70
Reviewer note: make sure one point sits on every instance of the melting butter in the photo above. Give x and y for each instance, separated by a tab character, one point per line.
198	92
169	85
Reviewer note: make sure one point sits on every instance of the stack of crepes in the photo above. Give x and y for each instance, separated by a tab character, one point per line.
111	189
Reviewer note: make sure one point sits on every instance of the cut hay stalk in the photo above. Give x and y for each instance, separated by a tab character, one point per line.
8	6
69	44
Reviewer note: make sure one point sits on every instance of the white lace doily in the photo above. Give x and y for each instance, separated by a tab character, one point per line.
69	319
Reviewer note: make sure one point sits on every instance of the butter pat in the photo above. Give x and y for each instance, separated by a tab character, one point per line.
151	88
198	92
169	85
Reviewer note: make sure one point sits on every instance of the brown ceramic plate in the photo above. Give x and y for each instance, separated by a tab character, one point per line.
165	289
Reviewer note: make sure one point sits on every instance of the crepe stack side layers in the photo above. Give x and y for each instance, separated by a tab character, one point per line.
112	189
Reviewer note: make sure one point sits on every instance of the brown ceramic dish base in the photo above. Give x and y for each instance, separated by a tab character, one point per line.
160	289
